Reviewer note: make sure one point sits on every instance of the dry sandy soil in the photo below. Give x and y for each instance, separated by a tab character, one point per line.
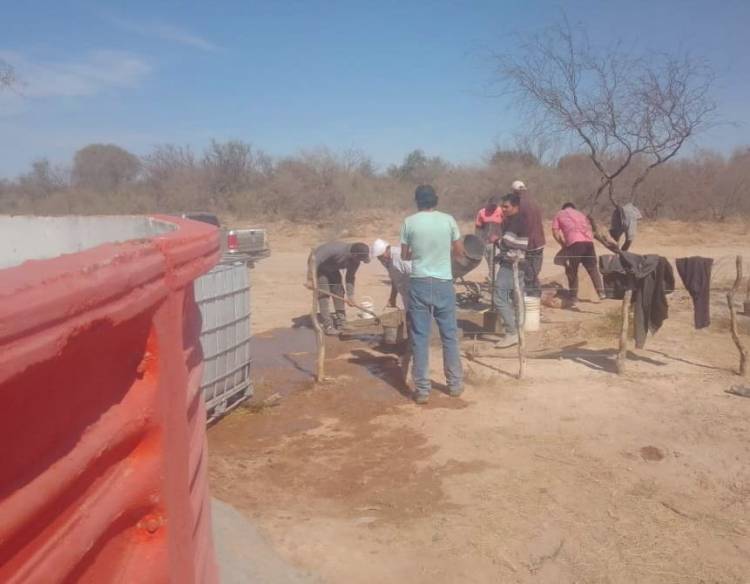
574	474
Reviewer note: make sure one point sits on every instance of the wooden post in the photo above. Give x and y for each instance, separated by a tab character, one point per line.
405	360
622	355
319	335
733	320
520	321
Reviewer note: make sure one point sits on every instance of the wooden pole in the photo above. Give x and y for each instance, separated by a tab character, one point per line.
733	320
520	321
622	355
319	335
603	237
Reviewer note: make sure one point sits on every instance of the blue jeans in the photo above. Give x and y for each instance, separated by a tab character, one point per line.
430	297
530	272
504	296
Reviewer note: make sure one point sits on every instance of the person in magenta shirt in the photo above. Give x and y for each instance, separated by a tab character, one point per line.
572	230
487	226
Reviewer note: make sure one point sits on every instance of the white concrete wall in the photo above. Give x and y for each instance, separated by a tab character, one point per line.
26	237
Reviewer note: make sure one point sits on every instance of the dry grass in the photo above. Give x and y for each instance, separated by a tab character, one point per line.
235	179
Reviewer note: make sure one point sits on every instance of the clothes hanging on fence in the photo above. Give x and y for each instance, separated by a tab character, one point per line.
651	278
695	273
625	221
612	273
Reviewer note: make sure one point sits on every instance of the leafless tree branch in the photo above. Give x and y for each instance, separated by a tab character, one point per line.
8	77
619	108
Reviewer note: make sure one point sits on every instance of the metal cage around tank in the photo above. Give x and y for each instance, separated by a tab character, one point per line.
223	297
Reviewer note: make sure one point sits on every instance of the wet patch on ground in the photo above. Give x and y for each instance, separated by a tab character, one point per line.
325	441
651	454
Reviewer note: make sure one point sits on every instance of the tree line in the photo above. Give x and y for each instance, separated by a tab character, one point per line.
234	178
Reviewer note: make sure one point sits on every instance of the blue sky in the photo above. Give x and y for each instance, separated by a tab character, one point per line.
384	76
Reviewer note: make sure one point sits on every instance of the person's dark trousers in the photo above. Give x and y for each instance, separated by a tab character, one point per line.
330	282
531	268
695	273
582	252
433	298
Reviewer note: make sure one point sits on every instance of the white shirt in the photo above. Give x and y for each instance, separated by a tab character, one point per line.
399	271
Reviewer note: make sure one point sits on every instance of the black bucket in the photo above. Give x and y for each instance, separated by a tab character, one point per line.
472	257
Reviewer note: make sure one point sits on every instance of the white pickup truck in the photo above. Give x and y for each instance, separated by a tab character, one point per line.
247	245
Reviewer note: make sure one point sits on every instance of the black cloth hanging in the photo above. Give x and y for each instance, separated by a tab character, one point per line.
695	273
651	278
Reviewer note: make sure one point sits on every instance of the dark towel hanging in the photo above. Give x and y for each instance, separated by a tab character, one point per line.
695	273
651	278
617	223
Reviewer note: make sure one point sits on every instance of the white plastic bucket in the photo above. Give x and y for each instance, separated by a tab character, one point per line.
368	304
533	314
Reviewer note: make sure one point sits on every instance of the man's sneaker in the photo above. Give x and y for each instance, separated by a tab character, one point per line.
507	341
339	320
421	398
455	392
330	330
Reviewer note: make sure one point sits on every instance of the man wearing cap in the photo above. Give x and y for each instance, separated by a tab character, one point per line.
330	259
428	238
399	270
531	215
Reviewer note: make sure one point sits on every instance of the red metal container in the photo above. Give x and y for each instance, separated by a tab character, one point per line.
102	425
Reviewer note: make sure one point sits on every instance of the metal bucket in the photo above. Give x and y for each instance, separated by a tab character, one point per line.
471	258
392	321
393	335
369	307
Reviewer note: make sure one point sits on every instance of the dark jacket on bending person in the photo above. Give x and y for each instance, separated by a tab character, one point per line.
335	256
651	278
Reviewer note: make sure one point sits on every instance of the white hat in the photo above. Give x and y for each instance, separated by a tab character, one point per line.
378	248
518	185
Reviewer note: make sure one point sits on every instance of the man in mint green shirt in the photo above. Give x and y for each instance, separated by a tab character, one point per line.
429	238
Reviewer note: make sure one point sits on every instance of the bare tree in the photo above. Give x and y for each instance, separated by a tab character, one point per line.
617	107
732	187
521	156
230	166
43	179
7	75
417	167
166	161
355	160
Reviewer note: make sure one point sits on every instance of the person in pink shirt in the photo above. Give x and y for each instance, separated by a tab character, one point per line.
572	230
487	226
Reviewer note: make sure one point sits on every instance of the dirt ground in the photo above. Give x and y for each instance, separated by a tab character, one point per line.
574	474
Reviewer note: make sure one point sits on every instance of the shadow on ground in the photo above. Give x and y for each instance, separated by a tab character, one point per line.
597	359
